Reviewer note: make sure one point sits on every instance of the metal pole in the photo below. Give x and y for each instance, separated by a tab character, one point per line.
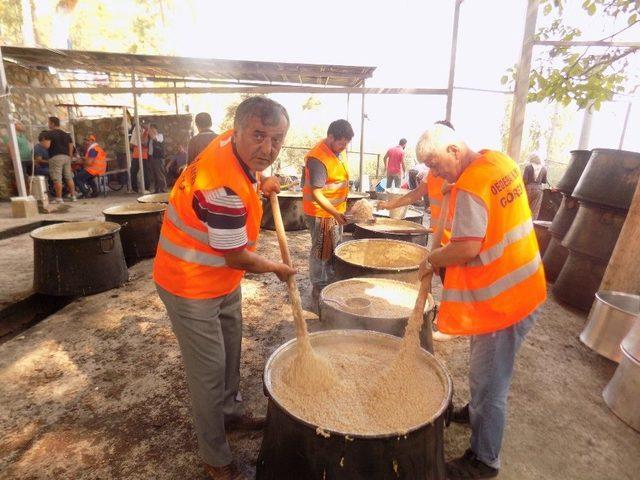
72	129
175	97
452	62
361	140
522	82
127	147
348	100
585	132
141	188
13	137
624	127
378	167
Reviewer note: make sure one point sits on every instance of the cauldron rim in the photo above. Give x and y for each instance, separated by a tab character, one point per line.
144	198
154	207
614	150
607	297
379	269
439	367
430	300
410	225
113	226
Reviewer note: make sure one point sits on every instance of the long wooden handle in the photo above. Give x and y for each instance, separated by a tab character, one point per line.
294	294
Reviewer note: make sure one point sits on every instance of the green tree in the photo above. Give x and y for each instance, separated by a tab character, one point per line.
11	22
583	77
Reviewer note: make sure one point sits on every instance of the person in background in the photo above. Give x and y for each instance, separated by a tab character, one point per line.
60	154
394	164
41	153
324	201
175	165
493	286
24	148
156	160
208	240
138	152
94	165
534	177
204	137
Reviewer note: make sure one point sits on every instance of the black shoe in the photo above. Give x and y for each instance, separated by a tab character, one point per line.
461	415
468	467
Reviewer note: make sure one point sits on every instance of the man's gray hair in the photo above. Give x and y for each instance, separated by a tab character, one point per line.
268	111
435	140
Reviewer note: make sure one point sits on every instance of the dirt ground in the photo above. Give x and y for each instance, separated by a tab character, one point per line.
97	390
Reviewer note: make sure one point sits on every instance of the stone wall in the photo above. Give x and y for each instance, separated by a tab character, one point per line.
30	109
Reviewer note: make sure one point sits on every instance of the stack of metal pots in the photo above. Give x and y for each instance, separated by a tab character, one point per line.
604	194
555	254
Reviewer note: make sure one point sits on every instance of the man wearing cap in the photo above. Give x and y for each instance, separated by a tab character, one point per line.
208	240
94	165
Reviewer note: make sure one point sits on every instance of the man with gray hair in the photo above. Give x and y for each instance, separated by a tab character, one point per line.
493	285
208	240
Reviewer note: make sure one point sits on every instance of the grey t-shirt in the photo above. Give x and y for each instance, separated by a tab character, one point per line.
317	172
470	219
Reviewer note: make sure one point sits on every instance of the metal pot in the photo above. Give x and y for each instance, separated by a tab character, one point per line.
564	218
595	231
623	391
577	164
554	259
291	209
366	266
78	258
543	235
610	320
377	230
412	215
551	200
293	448
610	178
141	224
335	312
154	198
631	342
579	280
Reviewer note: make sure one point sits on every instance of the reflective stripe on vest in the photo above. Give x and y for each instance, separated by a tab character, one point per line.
495	252
496	288
191	256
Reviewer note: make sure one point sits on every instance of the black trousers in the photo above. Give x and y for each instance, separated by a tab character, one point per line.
135	168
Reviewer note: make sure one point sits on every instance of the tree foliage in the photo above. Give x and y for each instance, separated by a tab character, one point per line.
583	75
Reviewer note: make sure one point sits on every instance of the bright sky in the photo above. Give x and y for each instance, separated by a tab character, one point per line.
409	42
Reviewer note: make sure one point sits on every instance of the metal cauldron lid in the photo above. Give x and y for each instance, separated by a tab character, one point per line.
290	194
542	223
411	213
75	230
135	209
154	198
621	301
358	195
389	224
379	291
376	339
390	243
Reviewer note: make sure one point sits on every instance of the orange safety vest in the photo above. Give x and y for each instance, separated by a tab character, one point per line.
98	163
336	189
185	264
505	282
434	191
144	138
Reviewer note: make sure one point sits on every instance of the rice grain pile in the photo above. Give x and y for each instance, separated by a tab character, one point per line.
382	253
361	211
388	299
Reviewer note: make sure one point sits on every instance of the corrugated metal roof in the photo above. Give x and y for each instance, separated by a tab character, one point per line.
184	68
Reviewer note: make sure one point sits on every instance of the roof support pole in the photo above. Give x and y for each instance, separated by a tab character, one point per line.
72	128
175	97
626	123
361	141
522	82
138	140
585	131
127	148
452	62
7	106
348	101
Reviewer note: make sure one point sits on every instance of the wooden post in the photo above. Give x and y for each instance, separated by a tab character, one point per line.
361	141
452	61
127	146
138	140
622	272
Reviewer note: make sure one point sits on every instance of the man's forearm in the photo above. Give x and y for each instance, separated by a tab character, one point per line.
323	202
250	261
454	253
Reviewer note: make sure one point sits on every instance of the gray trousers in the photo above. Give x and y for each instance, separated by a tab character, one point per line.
157	174
209	332
321	272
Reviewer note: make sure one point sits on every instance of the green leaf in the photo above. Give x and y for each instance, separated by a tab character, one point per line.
632	19
547	9
592	9
504	79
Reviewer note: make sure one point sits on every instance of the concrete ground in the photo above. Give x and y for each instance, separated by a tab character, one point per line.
97	390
